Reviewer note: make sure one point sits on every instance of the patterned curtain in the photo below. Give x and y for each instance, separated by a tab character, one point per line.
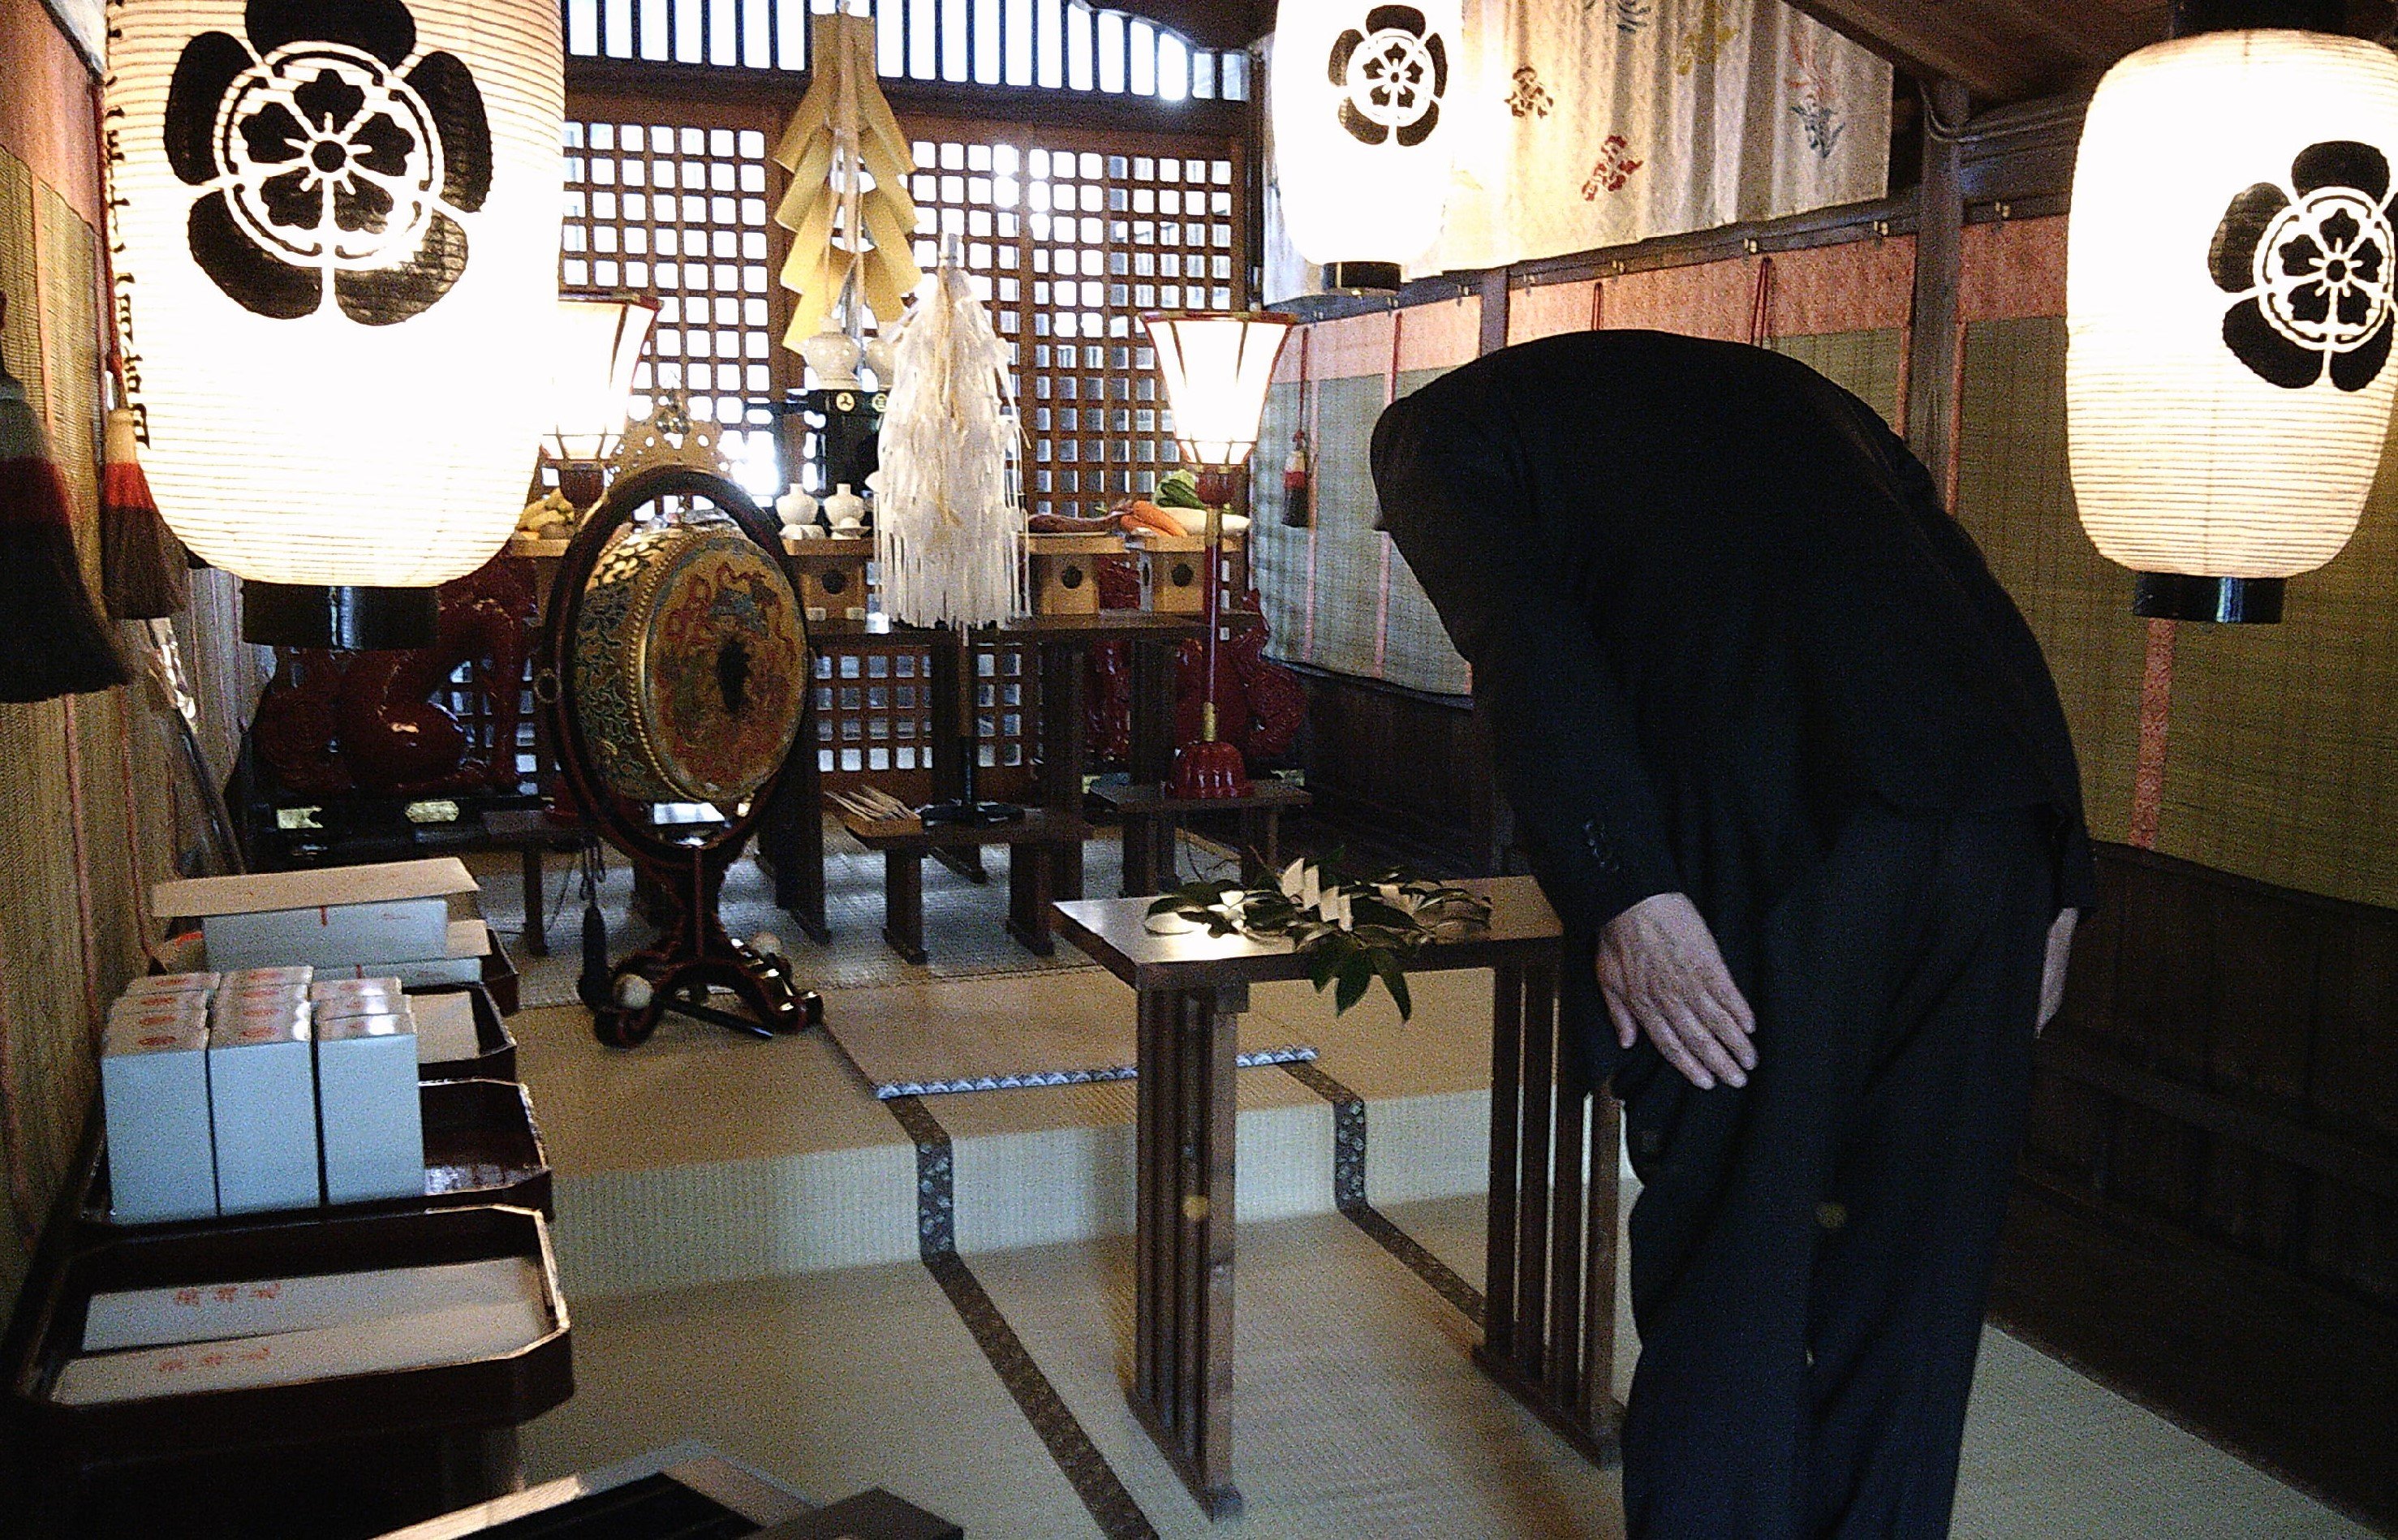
1596	123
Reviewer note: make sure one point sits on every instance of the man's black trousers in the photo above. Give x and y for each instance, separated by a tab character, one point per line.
1810	1254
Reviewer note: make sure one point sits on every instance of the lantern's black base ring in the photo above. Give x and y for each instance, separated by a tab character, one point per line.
284	614
1361	277
2225	601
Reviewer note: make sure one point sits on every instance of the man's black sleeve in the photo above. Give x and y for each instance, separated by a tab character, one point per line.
1502	573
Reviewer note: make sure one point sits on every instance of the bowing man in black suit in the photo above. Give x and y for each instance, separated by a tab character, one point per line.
1791	768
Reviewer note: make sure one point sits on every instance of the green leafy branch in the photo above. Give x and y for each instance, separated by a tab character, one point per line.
1351	931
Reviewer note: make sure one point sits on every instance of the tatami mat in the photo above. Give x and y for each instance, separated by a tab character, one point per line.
720	1199
1359	1412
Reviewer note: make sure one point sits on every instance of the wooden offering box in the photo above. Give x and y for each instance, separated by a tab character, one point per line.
1171	571
319	1457
481	1147
832	575
1065	579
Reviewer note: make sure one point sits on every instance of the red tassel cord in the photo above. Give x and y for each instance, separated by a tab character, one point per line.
52	641
1298	478
145	574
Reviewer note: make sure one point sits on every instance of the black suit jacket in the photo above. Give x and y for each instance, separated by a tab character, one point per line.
1711	601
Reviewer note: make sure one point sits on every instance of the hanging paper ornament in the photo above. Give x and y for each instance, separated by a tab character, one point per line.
847	208
2229	306
946	528
336	283
1364	125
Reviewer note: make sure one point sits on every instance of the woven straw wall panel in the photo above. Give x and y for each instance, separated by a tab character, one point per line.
1277	553
2014	498
2282	759
1348	550
86	816
45	1065
1866	363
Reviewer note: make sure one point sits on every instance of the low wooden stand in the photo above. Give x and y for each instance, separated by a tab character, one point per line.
1550	1321
1151	814
1038	841
532	834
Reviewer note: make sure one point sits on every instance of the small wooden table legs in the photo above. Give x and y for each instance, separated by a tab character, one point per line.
903	902
1550	1317
1149	845
1549	1323
1030	886
1182	1384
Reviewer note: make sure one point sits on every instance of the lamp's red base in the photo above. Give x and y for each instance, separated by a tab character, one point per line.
1210	768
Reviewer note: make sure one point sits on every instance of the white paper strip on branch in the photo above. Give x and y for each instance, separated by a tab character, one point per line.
337	274
947	524
2229	301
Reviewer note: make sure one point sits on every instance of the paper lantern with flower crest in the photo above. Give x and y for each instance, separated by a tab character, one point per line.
2229	306
336	232
1364	121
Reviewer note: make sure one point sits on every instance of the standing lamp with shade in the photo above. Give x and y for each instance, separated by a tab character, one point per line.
337	237
1217	368
598	346
2229	302
1362	148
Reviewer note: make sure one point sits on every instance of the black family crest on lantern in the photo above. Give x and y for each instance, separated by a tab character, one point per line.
1394	73
2313	270
326	165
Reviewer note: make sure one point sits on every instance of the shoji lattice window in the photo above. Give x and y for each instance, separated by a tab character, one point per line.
681	209
1062	44
1071	238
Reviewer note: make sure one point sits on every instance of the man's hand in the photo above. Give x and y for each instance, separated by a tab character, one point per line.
1662	974
2051	978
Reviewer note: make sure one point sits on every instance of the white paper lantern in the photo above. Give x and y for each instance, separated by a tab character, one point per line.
1364	121
337	273
2229	302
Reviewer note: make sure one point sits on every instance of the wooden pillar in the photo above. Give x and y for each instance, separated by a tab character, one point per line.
1494	309
1936	341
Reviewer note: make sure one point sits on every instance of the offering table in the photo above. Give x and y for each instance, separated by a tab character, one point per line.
1549	1323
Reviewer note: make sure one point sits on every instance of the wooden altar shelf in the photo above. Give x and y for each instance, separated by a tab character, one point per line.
1036	842
1151	814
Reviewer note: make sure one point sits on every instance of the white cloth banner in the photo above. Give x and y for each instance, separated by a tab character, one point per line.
1594	123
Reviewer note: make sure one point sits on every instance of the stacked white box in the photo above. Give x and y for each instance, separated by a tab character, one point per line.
262	1107
335	916
368	1108
153	1087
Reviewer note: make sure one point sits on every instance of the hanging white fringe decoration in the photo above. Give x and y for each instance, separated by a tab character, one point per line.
948	530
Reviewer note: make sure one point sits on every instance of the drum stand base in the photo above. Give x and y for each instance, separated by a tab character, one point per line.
692	958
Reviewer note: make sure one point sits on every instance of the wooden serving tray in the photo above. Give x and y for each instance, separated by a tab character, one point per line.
1074	542
509	1388
496	1055
481	1147
831	547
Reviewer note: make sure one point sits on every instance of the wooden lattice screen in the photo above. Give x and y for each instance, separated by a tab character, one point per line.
1071	235
874	717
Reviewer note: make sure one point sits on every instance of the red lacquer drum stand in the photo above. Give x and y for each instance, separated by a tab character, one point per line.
679	677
